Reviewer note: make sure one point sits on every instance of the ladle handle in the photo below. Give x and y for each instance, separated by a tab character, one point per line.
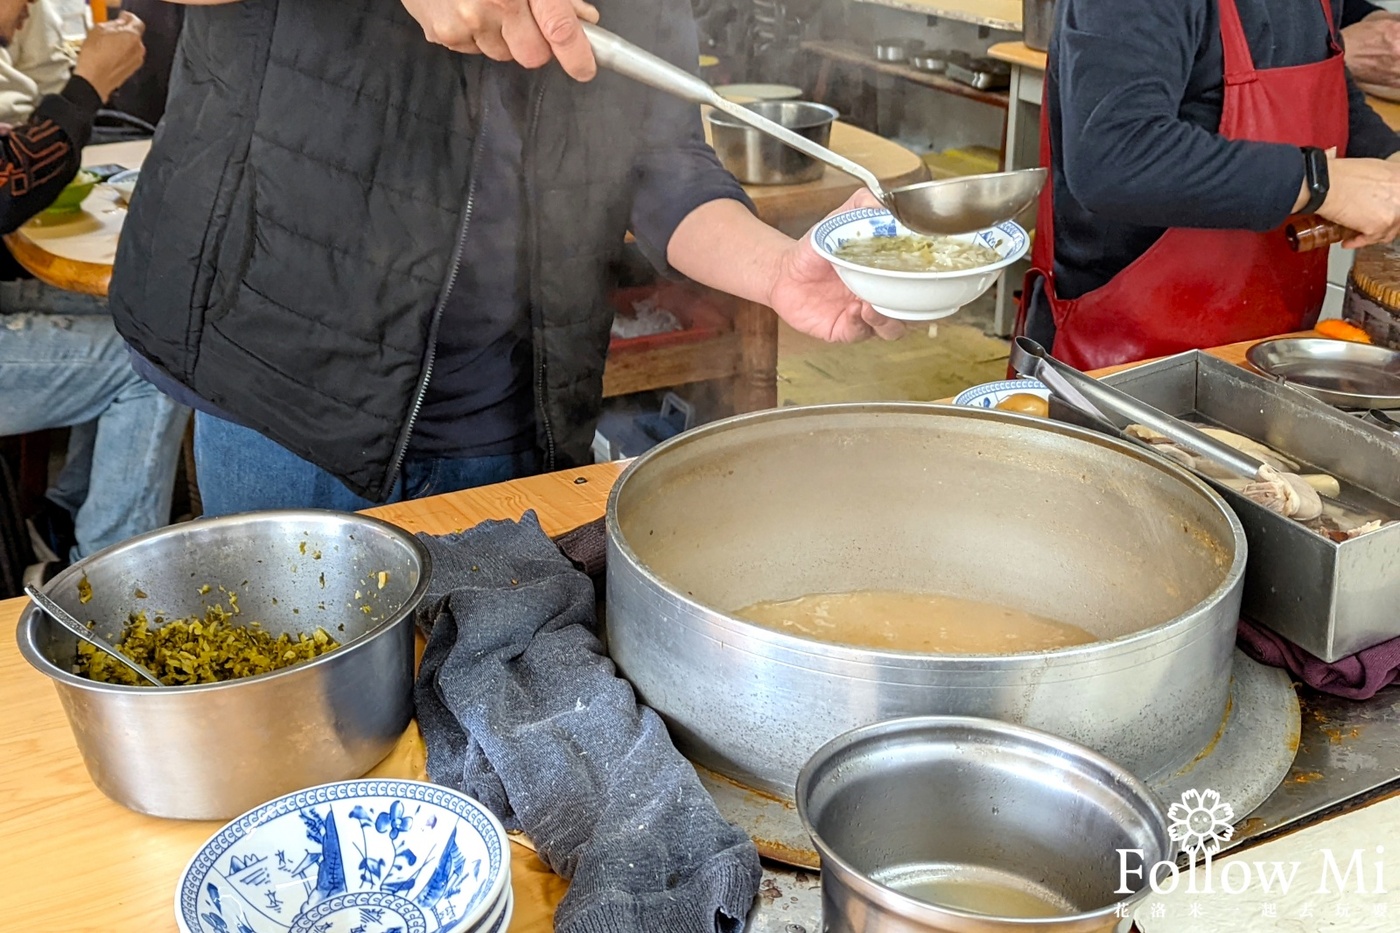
617	54
61	616
1030	359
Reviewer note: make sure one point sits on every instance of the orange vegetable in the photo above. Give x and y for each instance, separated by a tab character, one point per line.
1342	330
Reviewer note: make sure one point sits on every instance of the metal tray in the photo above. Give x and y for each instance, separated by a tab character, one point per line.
1348	375
1332	599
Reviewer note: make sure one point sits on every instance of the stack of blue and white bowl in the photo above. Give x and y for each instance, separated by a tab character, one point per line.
369	856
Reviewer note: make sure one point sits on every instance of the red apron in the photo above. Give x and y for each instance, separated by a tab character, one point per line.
1202	288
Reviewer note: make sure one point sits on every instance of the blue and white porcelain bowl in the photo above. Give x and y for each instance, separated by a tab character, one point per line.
992	394
500	917
914	296
369	856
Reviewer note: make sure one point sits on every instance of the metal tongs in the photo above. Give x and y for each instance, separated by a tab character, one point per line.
1092	398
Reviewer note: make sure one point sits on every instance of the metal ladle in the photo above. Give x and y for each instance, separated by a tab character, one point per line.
61	616
951	206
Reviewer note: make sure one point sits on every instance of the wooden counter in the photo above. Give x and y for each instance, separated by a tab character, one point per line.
1018	53
75	862
1389	111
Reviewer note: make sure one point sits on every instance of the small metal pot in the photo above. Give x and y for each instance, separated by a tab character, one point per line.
946	823
896	51
213	751
756	158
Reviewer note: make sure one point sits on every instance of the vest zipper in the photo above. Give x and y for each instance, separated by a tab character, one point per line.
541	403
401	449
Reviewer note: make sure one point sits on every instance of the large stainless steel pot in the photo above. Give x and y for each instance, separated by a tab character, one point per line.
213	751
1005	508
756	158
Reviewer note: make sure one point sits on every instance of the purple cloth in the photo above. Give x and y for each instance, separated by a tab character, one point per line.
1357	677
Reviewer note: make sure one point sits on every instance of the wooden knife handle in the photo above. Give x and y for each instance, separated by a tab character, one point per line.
1309	233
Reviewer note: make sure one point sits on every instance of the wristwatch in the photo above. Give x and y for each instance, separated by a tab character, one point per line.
1315	164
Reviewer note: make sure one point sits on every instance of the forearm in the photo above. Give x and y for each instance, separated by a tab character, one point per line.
1176	175
1127	152
722	245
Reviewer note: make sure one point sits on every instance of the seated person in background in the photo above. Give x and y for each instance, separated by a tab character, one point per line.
1372	39
34	64
38	62
62	363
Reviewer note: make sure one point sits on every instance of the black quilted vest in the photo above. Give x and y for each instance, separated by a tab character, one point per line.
300	210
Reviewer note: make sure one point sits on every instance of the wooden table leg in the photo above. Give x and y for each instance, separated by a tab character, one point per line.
755	387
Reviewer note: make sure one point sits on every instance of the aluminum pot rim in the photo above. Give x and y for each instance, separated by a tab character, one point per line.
30	617
1095	650
1125	783
720	118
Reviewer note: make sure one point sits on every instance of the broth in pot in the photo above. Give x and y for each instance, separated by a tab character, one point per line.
917	623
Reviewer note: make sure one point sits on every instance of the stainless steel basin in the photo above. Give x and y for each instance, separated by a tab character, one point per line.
213	751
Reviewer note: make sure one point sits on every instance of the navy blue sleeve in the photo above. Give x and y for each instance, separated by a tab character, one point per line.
1370	138
677	171
1354	11
1127	153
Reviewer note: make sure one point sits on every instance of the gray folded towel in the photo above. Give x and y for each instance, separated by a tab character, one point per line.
520	708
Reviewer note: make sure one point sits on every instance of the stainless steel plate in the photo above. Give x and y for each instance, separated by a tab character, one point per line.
1339	372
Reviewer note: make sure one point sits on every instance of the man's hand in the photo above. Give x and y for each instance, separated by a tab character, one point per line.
810	296
722	245
1364	195
111	53
530	32
1373	49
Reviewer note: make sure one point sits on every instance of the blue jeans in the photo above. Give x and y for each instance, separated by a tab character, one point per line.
240	470
62	364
